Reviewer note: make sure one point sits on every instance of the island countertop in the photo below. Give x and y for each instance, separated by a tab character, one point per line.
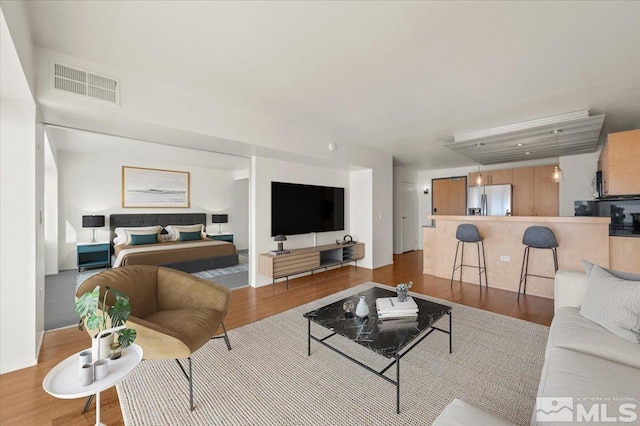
579	237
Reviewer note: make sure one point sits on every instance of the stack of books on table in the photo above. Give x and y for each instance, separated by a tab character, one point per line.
391	308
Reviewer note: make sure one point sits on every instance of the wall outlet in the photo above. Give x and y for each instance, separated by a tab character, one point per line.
505	258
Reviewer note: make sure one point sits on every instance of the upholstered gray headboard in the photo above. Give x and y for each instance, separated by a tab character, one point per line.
162	219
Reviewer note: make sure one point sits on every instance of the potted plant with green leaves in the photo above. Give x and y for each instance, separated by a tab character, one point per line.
105	319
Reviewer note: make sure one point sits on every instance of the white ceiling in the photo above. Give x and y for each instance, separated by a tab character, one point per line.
401	77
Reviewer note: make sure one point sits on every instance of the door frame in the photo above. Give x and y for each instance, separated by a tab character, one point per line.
414	225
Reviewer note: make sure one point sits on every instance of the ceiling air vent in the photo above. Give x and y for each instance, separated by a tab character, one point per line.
85	83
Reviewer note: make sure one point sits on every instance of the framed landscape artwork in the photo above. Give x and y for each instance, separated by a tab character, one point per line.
154	188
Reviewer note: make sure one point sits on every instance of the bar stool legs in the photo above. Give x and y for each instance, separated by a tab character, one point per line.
482	267
524	270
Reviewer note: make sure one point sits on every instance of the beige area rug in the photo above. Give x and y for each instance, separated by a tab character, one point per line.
268	379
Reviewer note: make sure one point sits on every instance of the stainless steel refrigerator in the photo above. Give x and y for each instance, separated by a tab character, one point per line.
492	200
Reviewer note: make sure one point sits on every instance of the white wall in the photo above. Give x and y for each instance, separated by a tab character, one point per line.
362	212
21	274
50	208
39	220
266	170
579	171
240	213
18	229
91	184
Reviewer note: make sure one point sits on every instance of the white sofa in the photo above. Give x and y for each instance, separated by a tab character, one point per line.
582	360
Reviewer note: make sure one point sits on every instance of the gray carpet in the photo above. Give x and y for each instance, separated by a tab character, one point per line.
268	379
59	302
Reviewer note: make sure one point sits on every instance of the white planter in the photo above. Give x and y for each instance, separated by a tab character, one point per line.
105	344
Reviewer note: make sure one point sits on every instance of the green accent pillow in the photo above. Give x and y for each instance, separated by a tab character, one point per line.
139	239
190	236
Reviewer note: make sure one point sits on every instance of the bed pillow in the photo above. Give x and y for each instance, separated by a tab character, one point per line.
153	232
121	233
139	239
190	236
174	230
613	303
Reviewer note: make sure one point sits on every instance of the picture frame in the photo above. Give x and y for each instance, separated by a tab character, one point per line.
155	188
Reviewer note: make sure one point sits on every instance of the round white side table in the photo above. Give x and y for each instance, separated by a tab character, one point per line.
63	381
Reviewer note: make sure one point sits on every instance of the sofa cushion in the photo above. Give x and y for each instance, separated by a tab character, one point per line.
194	327
461	413
614	303
570	373
570	330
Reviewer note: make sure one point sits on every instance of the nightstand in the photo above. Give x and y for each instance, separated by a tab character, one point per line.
221	237
93	254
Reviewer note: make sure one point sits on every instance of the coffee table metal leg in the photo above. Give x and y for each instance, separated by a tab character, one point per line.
308	337
450	334
397	384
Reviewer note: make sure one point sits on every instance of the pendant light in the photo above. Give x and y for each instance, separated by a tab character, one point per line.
479	175
558	174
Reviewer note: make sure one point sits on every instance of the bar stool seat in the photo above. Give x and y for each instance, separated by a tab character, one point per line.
538	237
468	233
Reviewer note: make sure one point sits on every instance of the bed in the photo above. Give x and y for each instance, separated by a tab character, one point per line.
187	256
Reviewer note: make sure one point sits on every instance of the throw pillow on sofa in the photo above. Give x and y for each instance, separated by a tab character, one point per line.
614	303
588	267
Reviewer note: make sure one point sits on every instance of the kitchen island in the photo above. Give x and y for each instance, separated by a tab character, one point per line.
578	237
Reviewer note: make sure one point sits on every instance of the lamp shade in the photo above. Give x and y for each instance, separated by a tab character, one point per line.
219	218
280	238
95	221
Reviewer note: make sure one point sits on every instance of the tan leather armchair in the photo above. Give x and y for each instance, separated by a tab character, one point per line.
173	313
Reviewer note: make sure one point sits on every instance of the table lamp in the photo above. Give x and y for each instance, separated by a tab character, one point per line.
219	219
93	222
280	239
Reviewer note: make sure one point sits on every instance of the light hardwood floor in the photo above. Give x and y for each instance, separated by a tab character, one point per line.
24	402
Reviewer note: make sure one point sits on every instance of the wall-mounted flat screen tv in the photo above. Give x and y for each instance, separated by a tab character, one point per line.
300	209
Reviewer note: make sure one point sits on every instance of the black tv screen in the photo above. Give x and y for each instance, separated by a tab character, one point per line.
300	209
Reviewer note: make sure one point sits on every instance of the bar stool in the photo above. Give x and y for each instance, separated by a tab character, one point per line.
539	237
468	233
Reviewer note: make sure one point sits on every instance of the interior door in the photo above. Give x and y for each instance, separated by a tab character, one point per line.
409	216
449	196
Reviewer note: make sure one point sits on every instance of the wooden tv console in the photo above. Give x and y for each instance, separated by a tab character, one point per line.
308	259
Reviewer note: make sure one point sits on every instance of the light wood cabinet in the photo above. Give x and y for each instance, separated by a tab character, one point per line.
534	192
523	192
308	259
545	192
492	177
619	164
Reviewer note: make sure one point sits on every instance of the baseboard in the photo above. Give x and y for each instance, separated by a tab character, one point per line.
62	328
17	366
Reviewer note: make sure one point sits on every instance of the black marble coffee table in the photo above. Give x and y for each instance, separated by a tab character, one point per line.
390	338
